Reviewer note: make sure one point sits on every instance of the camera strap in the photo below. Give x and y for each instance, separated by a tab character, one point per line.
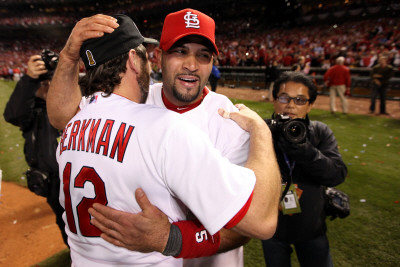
290	167
289	203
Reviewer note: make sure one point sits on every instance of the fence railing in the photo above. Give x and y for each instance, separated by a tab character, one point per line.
254	77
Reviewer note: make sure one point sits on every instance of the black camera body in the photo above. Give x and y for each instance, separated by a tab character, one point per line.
38	182
50	59
293	130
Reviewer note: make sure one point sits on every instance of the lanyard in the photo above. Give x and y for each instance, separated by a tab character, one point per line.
291	167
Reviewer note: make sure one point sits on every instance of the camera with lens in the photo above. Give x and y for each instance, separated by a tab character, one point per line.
293	130
50	59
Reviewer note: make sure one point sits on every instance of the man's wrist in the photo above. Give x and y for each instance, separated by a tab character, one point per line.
189	239
174	243
65	56
30	77
259	127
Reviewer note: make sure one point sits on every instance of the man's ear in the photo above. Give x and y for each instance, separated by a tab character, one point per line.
132	61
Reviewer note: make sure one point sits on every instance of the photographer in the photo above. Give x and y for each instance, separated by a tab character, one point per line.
306	166
26	109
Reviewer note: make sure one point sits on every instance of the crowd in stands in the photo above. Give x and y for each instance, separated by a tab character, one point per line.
14	54
72	13
359	42
28	21
243	43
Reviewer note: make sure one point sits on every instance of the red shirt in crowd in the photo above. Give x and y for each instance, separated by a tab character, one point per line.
338	75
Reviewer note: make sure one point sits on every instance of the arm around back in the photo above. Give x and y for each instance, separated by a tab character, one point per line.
261	218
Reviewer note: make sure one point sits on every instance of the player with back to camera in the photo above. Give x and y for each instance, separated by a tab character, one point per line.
121	157
186	63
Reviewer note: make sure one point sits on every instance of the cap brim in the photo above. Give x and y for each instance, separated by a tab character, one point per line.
207	41
151	41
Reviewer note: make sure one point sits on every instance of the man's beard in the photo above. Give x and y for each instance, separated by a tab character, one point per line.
143	81
186	98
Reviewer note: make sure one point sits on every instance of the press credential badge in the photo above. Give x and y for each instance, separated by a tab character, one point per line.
290	203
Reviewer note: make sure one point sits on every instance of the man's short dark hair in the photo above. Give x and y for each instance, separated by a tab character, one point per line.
297	77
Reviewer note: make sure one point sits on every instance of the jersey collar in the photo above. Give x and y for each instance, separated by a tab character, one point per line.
185	108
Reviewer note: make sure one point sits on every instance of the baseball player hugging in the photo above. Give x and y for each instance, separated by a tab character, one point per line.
116	144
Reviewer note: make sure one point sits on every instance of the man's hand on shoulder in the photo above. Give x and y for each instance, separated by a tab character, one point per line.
246	118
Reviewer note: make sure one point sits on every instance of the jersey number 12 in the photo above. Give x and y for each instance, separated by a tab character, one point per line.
86	174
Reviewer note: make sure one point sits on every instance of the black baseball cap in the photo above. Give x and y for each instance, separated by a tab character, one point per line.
97	51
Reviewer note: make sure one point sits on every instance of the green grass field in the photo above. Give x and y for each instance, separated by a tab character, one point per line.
370	147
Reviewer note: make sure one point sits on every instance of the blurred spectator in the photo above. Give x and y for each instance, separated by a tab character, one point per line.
215	75
302	65
380	76
337	78
271	74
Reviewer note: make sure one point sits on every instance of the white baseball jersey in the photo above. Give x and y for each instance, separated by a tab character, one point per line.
231	140
114	146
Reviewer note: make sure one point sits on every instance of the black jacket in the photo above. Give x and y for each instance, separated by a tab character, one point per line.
318	163
29	113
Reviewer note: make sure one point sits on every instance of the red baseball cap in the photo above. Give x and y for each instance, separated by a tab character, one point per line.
187	22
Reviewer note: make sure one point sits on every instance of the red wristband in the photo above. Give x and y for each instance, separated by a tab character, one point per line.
196	241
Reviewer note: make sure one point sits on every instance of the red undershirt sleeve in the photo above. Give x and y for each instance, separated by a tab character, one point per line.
239	216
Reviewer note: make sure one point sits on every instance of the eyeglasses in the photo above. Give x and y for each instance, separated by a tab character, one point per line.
285	99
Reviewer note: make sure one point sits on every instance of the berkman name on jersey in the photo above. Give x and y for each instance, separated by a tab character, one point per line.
83	137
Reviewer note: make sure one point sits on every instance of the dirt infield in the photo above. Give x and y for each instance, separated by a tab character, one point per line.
28	231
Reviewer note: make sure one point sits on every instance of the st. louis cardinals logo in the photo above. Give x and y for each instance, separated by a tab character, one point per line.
191	20
90	58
